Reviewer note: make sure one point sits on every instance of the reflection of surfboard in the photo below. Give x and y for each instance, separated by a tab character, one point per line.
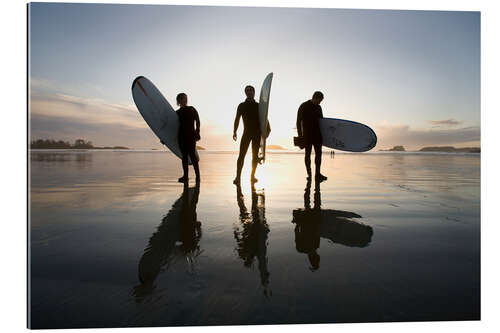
158	114
265	91
347	135
342	230
335	225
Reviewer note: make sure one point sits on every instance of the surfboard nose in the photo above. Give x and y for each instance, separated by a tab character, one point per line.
137	79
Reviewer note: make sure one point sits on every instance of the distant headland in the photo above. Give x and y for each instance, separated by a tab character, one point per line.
395	148
450	149
440	149
275	147
60	144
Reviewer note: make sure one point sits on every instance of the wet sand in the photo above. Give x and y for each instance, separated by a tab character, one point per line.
116	241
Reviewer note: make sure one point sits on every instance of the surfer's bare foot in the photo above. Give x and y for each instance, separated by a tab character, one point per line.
321	178
236	181
183	179
254	180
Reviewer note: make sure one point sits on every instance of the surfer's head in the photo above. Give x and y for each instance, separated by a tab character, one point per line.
182	99
250	92
317	97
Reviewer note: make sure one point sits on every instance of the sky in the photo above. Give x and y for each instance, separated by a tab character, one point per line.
412	76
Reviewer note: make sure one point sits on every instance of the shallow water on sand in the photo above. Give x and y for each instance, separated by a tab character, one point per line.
116	241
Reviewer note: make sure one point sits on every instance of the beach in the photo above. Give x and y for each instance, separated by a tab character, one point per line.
115	240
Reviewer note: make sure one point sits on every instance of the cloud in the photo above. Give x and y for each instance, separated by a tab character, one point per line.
86	110
447	122
68	117
416	138
38	84
106	134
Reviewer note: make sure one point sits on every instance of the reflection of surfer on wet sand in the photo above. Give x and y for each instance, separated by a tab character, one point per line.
251	234
178	225
334	225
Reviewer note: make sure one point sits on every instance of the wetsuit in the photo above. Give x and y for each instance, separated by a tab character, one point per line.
308	118
249	111
188	136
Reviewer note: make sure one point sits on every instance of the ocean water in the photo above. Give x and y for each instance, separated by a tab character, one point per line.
115	241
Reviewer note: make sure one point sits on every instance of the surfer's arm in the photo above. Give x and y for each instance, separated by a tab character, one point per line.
236	122
299	121
197	121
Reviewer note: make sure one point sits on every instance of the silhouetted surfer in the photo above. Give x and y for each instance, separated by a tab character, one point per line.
188	135
249	111
308	118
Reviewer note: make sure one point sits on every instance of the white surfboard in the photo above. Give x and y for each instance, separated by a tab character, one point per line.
265	92
347	135
158	114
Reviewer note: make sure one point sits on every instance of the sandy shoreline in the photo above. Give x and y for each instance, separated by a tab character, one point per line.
402	228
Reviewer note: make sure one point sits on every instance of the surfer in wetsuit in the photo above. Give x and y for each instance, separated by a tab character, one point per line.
308	118
188	135
249	111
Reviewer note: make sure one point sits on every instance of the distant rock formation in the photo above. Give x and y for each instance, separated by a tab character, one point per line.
275	147
395	148
450	149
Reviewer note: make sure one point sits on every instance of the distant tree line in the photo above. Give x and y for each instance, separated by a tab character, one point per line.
59	144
